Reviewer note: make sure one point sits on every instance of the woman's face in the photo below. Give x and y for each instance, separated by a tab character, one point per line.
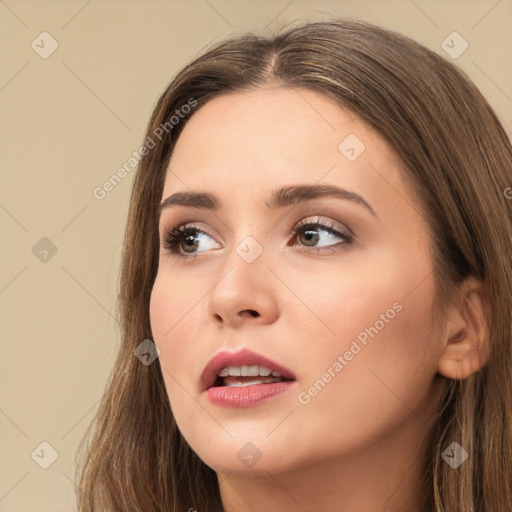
345	305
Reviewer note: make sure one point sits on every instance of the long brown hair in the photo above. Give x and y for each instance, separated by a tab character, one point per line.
458	160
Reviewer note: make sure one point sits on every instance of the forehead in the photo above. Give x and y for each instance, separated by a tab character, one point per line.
243	142
287	120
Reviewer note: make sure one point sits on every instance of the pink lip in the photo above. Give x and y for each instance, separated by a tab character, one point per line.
247	395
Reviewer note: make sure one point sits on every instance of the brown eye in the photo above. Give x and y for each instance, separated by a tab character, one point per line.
183	239
308	234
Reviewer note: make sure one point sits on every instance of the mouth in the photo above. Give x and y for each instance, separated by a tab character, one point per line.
240	376
243	378
243	368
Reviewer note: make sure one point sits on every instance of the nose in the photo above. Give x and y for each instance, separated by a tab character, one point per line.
245	292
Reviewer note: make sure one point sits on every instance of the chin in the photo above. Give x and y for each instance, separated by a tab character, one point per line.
248	456
250	464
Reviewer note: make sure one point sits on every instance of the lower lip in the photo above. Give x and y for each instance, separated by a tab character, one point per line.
246	396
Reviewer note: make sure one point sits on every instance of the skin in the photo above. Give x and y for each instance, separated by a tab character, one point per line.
358	445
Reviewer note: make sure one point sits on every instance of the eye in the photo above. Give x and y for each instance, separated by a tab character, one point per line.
308	231
184	236
183	240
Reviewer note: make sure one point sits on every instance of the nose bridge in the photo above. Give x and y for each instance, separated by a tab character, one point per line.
249	238
244	266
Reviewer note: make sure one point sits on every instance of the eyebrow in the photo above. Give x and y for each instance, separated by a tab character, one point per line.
284	196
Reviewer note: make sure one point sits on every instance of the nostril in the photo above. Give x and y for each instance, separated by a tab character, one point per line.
250	312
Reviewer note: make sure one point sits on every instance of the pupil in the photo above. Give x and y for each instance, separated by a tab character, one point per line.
190	241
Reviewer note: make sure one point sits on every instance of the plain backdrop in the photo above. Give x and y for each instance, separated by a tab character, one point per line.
69	120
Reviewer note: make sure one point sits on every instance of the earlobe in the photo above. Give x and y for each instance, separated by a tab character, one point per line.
466	345
461	359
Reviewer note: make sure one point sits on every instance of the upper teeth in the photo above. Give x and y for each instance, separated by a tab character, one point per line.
248	371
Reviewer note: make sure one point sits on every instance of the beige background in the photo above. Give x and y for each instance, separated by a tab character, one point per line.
68	123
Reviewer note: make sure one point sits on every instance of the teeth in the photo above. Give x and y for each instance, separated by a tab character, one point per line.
235	371
242	384
231	383
248	371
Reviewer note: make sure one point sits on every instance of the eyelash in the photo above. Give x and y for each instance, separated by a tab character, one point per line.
172	237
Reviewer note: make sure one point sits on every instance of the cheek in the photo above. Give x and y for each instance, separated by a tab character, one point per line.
367	299
174	313
174	304
382	325
173	309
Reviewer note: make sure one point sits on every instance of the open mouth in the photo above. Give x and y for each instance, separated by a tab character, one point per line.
247	385
240	376
243	378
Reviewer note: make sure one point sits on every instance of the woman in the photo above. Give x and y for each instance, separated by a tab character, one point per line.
315	288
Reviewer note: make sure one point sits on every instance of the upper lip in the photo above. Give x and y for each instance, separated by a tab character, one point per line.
244	357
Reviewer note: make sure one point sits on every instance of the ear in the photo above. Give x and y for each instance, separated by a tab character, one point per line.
466	335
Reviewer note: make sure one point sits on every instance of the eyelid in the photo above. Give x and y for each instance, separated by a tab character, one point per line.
328	225
196	226
315	219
